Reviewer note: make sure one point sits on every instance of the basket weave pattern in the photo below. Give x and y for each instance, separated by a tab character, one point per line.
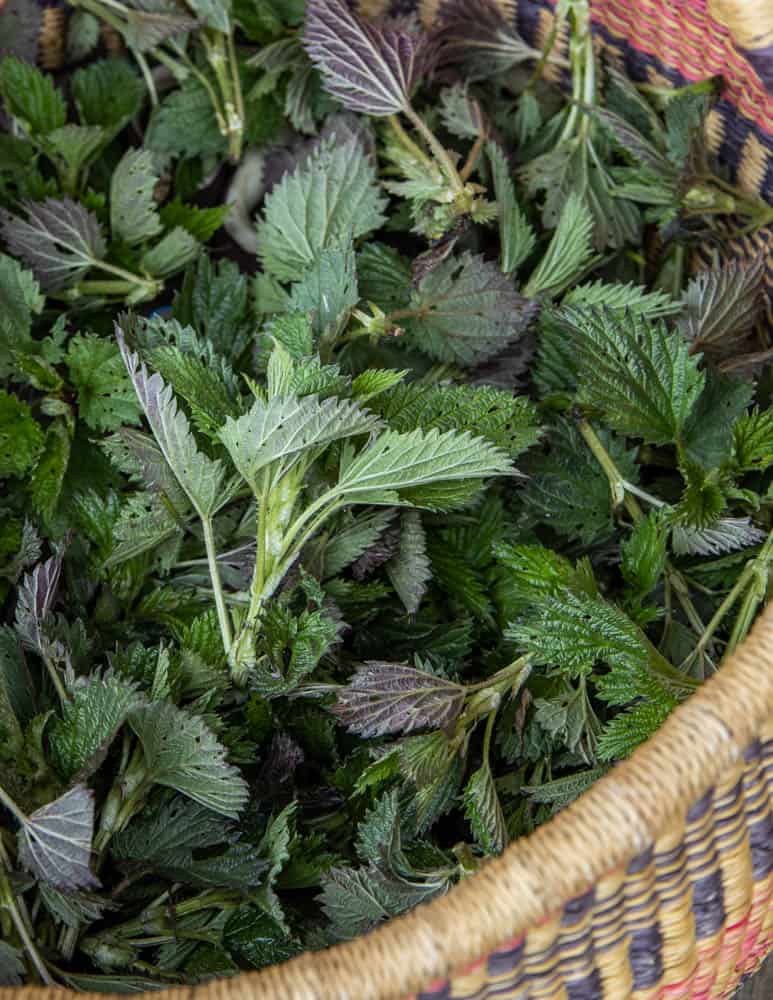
658	883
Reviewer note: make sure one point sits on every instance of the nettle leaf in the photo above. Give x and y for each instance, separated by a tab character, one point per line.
167	834
461	113
644	553
369	68
182	752
133	214
753	441
409	570
106	400
517	237
384	276
55	841
708	432
569	252
330	198
60	241
727	534
399	462
328	290
36	597
75	144
171	254
31	96
359	534
108	93
21	436
572	632
184	124
97	709
484	811
201	223
468	311
386	698
631	728
292	646
722	306
640	375
474	34
283	429
201	478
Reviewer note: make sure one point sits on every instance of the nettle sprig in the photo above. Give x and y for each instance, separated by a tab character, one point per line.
374	69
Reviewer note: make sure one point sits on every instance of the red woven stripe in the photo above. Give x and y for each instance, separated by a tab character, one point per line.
675	32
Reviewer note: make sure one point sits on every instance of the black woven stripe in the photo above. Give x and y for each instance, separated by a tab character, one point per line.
708	904
645	953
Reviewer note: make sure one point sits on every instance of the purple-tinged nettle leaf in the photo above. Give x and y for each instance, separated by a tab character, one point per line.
721	307
60	240
394	698
474	34
55	841
368	68
200	476
36	595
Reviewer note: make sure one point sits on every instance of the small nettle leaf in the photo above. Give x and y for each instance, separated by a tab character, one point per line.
330	198
369	68
328	290
569	252
484	811
461	113
722	306
644	553
284	428
106	400
133	214
516	235
359	534
639	374
200	477
31	96
108	93
634	298
395	462
75	144
727	534
409	570
60	240
97	709
171	254
386	698
36	597
475	35
467	311
753	441
21	437
182	752
55	841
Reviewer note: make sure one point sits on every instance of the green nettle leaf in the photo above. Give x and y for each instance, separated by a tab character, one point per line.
31	96
133	215
722	306
97	709
60	241
21	436
75	144
177	249
47	478
280	431
201	478
55	841
644	553
328	199
638	374
108	93
753	441
328	290
201	223
368	68
106	400
708	432
467	311
384	276
410	570
572	632
726	534
184	124
167	835
484	811
634	298
355	538
181	752
631	728
569	252
401	462
213	13
516	235
386	698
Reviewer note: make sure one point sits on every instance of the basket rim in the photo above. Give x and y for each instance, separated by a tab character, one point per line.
616	819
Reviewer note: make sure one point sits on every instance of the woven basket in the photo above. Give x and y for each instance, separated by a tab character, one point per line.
658	882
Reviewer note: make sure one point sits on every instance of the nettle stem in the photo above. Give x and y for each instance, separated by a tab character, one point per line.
9	903
223	616
439	151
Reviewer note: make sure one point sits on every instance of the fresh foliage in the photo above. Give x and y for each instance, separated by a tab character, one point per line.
373	473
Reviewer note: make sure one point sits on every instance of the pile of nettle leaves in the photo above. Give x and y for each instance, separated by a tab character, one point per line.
330	565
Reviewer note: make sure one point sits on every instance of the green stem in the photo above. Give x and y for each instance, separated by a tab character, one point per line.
218	59
8	902
439	151
223	616
13	809
405	140
757	574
